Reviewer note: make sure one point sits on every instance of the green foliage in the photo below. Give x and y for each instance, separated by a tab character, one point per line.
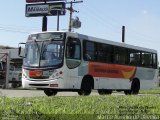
80	107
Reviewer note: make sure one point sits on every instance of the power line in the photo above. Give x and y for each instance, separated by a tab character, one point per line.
114	24
13	30
101	22
100	18
21	28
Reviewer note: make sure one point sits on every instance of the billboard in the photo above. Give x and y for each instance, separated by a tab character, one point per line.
48	9
32	1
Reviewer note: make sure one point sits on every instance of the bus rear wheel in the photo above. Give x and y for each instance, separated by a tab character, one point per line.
135	87
104	92
50	92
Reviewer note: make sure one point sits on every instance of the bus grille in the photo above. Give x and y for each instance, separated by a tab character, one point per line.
39	84
40	77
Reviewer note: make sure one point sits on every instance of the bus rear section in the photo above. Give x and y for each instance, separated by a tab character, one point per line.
118	66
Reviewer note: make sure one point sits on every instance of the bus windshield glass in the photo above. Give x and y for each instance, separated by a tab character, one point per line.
52	53
44	50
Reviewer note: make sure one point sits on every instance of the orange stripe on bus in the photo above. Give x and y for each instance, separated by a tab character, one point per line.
111	70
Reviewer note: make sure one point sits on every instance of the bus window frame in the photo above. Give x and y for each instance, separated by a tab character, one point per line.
73	60
112	51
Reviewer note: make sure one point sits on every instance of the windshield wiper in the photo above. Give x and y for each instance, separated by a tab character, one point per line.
38	51
37	46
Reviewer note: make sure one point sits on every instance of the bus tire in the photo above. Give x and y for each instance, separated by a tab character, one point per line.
86	86
50	92
85	89
127	92
135	86
104	92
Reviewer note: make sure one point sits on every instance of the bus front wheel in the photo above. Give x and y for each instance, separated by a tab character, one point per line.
86	86
127	92
50	92
85	89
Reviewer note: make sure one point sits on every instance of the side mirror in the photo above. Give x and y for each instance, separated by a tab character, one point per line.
21	47
19	51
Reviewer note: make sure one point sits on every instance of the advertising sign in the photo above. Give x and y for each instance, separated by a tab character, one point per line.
48	9
32	1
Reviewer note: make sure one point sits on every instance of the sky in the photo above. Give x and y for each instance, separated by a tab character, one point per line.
100	18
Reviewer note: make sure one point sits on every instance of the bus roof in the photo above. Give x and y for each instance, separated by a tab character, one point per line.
95	39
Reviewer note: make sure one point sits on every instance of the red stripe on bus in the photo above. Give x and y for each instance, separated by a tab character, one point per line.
111	70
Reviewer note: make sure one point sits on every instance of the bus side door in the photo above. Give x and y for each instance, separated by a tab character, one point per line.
73	61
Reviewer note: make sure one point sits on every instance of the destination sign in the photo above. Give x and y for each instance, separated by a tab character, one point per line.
33	1
46	36
48	9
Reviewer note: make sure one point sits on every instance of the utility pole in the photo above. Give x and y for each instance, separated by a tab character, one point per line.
71	10
57	20
44	23
123	34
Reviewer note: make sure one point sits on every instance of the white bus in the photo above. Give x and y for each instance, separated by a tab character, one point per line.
66	61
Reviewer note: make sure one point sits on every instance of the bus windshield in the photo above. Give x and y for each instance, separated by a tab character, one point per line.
44	53
52	54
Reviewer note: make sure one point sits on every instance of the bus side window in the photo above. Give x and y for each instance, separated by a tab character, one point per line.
154	59
73	49
89	50
73	53
146	59
120	55
134	58
87	56
70	51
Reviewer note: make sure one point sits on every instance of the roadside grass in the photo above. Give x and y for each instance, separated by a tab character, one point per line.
81	107
151	91
107	107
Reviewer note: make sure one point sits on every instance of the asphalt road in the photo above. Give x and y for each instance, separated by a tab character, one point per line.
38	93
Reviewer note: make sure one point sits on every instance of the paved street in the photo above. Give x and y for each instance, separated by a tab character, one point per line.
33	93
38	93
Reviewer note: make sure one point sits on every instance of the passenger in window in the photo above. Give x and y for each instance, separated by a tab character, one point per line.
48	56
88	57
